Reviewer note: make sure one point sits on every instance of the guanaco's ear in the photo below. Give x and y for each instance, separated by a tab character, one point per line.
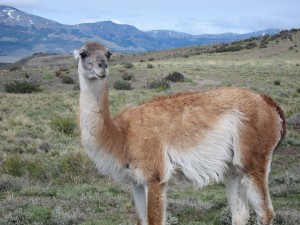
108	54
76	54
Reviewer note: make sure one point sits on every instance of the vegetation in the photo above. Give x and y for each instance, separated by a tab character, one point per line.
23	87
122	85
47	178
68	80
64	124
175	77
128	65
150	66
127	76
160	84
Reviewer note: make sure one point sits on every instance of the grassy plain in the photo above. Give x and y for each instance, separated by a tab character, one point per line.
46	177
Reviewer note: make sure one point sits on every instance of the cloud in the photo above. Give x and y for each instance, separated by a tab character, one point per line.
249	24
19	3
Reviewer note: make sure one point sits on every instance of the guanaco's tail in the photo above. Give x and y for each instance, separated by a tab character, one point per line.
280	112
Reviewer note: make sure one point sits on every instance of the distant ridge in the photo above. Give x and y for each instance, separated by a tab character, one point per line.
23	34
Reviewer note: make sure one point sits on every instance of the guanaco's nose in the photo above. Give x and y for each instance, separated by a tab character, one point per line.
103	64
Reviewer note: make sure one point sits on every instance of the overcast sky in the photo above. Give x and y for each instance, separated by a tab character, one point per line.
189	16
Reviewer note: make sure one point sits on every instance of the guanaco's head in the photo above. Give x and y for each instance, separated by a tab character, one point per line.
93	60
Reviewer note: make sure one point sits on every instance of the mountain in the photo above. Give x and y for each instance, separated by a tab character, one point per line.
23	34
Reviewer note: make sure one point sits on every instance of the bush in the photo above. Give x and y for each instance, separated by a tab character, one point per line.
170	219
159	83
251	45
13	165
122	85
68	80
128	65
23	87
150	66
15	68
64	124
229	49
263	45
30	215
175	77
294	120
225	217
276	82
288	217
127	76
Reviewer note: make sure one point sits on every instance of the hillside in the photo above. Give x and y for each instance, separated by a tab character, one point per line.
267	46
46	176
23	34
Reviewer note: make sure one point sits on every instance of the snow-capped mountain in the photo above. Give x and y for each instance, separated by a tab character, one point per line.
13	17
23	34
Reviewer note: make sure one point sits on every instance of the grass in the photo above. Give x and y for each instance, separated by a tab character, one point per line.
47	178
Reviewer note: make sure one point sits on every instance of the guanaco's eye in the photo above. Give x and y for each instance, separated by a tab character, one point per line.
108	54
83	54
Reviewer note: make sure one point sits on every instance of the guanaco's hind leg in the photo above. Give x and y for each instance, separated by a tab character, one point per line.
237	198
258	195
156	203
140	198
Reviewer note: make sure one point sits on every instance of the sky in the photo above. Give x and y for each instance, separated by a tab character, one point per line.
188	16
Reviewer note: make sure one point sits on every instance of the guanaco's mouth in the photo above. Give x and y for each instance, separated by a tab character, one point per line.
101	76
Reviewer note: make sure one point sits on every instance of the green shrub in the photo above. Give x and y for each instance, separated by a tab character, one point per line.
122	85
15	68
294	120
22	87
170	219
288	217
285	184
64	124
31	215
160	83
48	76
263	45
224	48
151	59
68	80
150	66
225	217
128	65
277	82
293	142
251	45
175	77
14	165
127	76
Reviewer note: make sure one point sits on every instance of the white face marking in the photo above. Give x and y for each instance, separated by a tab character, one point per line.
93	61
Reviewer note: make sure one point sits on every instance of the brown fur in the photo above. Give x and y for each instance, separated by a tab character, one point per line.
155	203
280	112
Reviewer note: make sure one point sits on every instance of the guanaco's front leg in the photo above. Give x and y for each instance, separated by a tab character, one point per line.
156	203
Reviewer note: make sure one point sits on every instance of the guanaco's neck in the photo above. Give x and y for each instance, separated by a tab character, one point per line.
97	128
